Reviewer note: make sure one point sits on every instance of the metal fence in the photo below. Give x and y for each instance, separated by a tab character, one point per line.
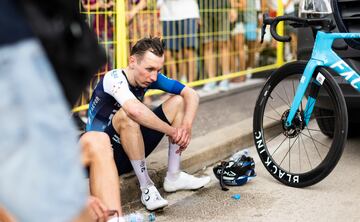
214	40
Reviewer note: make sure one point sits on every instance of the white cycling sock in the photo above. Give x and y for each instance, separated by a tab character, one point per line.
173	162
141	173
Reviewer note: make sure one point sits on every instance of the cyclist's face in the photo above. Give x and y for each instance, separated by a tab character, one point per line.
147	68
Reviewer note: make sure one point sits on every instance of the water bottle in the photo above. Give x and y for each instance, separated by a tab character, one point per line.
239	154
138	217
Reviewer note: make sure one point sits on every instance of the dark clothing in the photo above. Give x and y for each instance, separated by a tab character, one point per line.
71	47
105	101
151	139
12	23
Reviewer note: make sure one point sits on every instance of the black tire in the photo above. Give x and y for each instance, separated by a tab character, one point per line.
321	153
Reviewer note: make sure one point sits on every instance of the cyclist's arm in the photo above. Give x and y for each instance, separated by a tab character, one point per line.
116	85
141	114
189	95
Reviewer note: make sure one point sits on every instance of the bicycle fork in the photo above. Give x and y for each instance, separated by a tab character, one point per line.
300	92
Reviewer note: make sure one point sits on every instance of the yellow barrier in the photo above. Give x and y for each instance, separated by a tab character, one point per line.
121	52
121	24
280	30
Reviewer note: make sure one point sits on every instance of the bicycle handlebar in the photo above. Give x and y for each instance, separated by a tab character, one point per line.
324	23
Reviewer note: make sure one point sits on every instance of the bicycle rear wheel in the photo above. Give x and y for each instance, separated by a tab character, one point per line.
304	155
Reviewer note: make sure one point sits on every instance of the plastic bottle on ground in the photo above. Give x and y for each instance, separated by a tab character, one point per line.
237	155
138	217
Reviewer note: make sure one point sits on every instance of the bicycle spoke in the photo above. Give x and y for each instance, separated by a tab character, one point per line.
271	118
282	99
293	86
317	150
286	95
268	141
275	110
279	123
288	152
307	155
278	147
314	130
315	140
299	155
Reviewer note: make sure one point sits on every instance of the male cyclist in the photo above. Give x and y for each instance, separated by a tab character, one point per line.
116	108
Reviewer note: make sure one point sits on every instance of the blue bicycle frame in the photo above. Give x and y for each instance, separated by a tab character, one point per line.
322	55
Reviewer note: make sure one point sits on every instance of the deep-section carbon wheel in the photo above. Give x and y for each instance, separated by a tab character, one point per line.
300	155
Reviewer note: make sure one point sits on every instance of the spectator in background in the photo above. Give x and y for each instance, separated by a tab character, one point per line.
289	10
101	21
238	59
103	25
142	20
180	26
215	27
251	25
290	47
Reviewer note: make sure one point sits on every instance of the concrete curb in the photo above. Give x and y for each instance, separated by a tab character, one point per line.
203	151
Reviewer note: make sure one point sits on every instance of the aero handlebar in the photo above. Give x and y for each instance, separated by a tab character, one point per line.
324	23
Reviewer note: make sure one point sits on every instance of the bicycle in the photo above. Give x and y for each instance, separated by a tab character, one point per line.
298	100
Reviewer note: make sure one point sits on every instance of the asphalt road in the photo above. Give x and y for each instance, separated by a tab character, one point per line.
263	199
222	111
336	198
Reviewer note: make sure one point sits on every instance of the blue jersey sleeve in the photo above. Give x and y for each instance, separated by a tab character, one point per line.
166	84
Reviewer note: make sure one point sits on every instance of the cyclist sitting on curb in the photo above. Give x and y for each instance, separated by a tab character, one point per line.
116	108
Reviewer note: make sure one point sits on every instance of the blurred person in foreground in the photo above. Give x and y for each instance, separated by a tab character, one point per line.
46	51
104	203
116	108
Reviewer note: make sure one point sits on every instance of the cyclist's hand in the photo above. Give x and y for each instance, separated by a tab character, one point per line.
180	150
183	137
98	210
185	132
174	136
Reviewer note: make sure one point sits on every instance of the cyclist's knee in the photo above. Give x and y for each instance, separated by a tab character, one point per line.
176	102
122	121
96	144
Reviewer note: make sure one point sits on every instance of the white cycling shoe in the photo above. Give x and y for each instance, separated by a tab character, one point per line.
185	182
152	199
